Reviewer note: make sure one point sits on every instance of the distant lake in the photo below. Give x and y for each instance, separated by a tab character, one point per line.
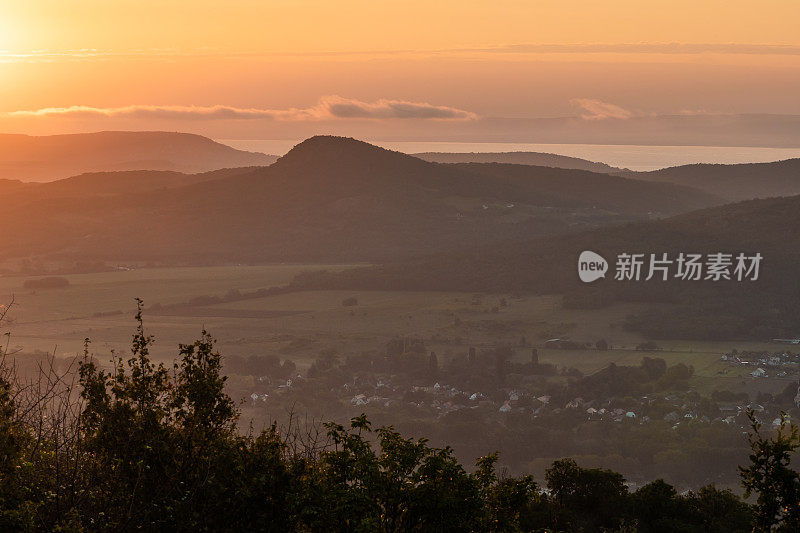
633	157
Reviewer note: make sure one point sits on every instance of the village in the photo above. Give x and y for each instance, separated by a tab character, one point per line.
767	364
676	408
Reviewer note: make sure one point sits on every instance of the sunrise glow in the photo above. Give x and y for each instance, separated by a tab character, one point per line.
508	59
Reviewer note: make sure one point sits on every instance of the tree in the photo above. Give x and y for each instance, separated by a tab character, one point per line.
655	367
161	449
769	475
586	499
433	365
407	486
656	507
16	510
718	511
509	504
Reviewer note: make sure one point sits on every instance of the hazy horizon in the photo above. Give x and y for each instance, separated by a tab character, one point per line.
544	72
625	156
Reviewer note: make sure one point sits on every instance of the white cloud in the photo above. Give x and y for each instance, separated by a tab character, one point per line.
329	107
594	109
346	108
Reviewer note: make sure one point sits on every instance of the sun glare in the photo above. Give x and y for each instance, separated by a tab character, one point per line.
7	33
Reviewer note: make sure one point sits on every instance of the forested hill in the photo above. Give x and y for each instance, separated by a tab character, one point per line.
330	198
541	159
762	308
734	182
51	157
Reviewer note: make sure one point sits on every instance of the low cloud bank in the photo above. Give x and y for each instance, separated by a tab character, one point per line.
330	107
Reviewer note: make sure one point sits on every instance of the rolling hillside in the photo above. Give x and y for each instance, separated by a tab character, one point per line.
111	183
734	182
541	159
762	309
47	158
598	190
329	198
549	265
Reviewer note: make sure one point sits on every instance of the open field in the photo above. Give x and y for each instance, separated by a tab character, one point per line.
298	326
101	305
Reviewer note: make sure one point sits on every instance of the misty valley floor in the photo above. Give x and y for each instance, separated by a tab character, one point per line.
100	306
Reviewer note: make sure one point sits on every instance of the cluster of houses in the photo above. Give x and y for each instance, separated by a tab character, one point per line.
445	399
737	414
674	408
441	398
765	364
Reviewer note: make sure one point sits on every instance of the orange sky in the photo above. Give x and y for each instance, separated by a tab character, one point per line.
255	68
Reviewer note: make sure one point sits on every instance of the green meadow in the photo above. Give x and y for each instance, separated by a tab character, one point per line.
299	325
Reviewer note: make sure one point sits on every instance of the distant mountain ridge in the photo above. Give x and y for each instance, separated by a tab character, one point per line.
47	158
592	189
329	198
542	159
733	182
112	183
